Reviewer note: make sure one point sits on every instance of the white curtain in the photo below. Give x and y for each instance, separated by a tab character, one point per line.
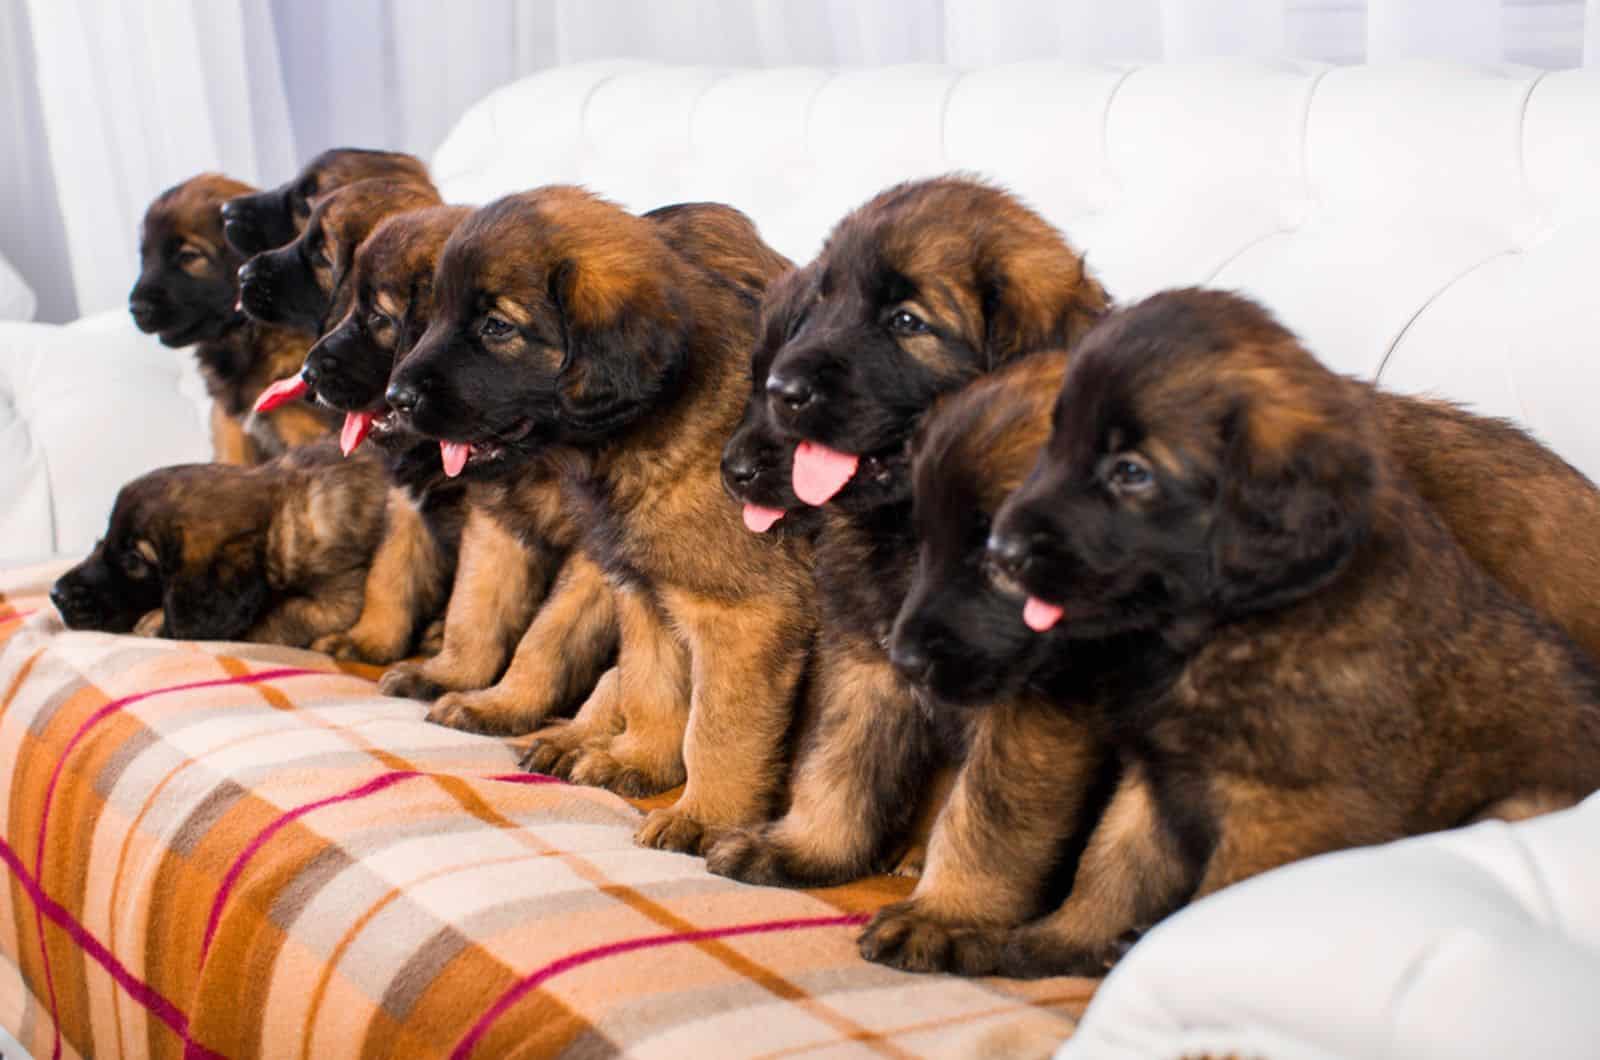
104	102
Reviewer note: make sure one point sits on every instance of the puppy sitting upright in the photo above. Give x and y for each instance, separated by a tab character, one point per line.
258	221
1325	666
924	288
564	322
186	293
275	554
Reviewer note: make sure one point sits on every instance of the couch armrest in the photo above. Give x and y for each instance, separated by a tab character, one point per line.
84	407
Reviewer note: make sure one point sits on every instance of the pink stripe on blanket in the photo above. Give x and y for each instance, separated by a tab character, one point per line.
542	975
361	791
55	777
138	989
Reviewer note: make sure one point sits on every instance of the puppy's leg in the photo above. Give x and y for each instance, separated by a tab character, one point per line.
229	442
1020	795
855	779
651	691
747	662
490	605
1131	875
403	584
299	620
560	657
914	857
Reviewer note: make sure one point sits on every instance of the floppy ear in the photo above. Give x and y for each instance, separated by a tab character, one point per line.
221	601
1294	502
626	343
1036	298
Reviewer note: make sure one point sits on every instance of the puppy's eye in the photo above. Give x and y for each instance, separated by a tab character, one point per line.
188	256
495	327
376	321
1129	476
134	565
905	322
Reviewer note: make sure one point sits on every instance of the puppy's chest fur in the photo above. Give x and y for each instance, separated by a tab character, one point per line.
241	364
863	569
535	503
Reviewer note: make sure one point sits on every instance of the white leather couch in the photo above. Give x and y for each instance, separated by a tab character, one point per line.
1433	227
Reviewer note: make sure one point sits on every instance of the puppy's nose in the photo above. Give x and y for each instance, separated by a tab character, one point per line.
796	393
232	210
403	398
909	656
250	271
740	470
141	307
1010	552
309	373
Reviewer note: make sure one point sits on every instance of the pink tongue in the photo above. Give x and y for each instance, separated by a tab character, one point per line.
281	393
759	520
820	472
454	455
1039	615
356	426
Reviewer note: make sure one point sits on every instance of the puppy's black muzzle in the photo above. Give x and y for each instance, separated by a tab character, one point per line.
256	223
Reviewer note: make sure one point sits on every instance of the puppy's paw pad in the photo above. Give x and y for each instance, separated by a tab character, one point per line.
673	830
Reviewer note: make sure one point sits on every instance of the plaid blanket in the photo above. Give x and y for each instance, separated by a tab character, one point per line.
237	850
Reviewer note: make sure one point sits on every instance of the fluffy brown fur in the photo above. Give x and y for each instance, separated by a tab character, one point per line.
187	292
617	346
276	553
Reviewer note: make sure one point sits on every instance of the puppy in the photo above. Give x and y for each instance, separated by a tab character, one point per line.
1237	575
347	370
304	284
257	221
186	294
275	554
924	288
758	460
618	346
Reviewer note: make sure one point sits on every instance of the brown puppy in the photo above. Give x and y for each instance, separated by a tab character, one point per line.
257	221
276	553
963	641
391	276
620	347
923	289
1216	526
304	284
187	292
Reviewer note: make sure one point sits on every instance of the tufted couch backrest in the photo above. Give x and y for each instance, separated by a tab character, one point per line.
1432	227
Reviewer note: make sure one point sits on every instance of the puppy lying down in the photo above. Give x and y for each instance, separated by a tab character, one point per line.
276	553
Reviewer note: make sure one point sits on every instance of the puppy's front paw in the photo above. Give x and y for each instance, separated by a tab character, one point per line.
432	640
759	856
672	829
153	624
905	937
409	681
555	750
353	646
912	861
480	712
1036	952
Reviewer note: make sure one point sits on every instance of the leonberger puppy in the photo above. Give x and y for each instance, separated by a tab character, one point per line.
276	553
410	575
926	287
186	295
1220	567
257	221
618	347
305	284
